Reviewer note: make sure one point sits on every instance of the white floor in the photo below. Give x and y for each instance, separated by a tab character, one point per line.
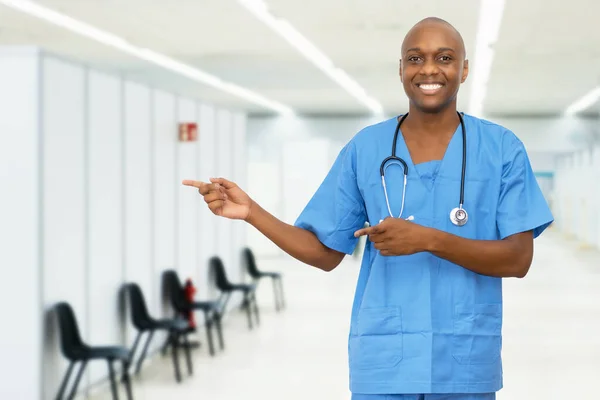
551	337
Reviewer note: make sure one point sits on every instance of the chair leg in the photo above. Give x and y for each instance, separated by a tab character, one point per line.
77	379
208	326
127	380
175	353
65	380
188	356
248	306
165	346
134	347
113	383
223	301
255	305
217	321
276	293
281	295
144	352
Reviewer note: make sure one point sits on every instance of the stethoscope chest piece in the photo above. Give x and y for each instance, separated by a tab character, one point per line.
459	216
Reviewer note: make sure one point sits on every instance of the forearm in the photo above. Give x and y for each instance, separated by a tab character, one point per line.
297	242
498	258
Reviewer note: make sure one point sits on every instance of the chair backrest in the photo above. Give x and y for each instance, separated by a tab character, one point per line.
70	338
139	311
174	290
250	263
218	270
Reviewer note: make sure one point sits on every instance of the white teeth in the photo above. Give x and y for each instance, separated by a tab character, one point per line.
430	87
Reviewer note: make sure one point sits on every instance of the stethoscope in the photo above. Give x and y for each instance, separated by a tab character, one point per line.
458	215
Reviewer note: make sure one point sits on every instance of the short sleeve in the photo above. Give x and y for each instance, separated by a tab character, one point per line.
337	208
522	206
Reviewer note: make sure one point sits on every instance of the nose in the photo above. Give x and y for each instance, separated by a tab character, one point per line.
429	67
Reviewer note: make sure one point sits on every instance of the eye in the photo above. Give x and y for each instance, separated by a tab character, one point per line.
445	59
414	58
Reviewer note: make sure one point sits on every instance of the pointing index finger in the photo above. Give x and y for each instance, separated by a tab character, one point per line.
196	184
367	231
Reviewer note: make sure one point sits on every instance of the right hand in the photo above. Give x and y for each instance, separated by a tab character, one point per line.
224	198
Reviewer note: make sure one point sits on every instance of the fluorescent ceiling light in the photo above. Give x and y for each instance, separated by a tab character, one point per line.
261	11
106	38
584	102
490	18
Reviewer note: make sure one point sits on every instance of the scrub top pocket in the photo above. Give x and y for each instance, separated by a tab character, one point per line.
477	333
376	338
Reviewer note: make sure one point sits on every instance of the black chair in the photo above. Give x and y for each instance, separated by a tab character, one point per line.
256	275
227	288
211	310
143	322
75	350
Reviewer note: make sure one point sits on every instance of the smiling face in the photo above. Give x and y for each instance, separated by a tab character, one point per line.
433	65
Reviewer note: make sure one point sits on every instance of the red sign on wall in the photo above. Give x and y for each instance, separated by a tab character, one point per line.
188	131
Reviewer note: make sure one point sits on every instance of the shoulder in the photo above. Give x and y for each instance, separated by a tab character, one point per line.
493	134
373	132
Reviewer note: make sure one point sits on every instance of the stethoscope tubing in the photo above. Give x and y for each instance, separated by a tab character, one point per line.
405	166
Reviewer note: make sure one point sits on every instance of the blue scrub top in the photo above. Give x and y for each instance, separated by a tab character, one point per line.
421	324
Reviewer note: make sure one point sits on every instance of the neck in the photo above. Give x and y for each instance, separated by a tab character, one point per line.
431	123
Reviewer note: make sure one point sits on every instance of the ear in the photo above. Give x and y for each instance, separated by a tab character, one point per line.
400	70
465	71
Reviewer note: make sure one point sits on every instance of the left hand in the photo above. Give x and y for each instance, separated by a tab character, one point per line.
396	236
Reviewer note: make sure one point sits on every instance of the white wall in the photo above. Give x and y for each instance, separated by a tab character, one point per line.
225	164
164	188
240	171
138	194
104	190
100	203
229	140
188	211
282	179
20	291
207	223
64	197
274	165
577	196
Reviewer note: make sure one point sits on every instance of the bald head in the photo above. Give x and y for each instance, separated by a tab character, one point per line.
433	53
435	24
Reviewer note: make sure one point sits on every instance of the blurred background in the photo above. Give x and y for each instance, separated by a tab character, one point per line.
107	105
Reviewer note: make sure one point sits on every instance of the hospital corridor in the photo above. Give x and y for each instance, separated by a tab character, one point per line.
302	353
291	200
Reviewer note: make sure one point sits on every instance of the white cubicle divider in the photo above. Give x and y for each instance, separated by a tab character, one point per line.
21	219
104	192
187	211
576	186
164	166
239	165
587	220
206	220
573	186
562	194
570	201
576	198
64	202
594	185
98	165
561	177
225	143
138	194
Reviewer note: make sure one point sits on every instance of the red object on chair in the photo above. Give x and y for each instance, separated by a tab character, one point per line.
189	292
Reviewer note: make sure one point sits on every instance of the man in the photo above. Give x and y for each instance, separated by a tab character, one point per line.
427	315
